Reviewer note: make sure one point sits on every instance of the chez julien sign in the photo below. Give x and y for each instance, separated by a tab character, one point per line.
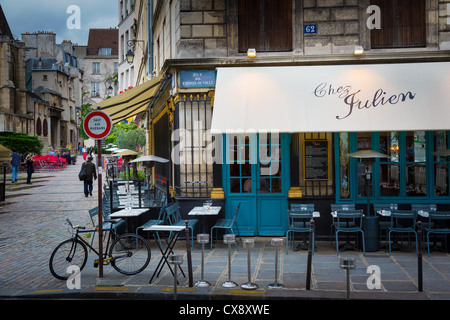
374	97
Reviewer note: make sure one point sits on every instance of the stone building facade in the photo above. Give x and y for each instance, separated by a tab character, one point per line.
55	73
191	39
13	94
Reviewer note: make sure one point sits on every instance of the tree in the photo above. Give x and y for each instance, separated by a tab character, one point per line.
127	136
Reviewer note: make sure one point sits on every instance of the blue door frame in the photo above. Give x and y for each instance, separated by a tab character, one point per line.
262	194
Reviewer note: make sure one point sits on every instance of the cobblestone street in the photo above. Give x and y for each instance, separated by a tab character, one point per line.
33	222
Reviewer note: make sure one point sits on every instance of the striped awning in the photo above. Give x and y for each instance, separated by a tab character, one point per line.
131	102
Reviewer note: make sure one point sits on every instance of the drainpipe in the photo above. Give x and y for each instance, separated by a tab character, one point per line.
150	31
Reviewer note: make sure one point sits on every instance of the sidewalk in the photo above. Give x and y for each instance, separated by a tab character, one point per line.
398	277
32	223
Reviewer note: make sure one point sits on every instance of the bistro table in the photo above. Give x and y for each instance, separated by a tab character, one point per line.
129	213
172	233
204	212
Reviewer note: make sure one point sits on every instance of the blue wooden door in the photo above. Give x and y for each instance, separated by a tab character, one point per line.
256	174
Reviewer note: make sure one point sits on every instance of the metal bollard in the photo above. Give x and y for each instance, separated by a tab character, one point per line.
276	243
310	253
347	264
419	257
249	243
202	238
229	239
176	259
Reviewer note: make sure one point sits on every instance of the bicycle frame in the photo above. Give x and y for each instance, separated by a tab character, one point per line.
112	235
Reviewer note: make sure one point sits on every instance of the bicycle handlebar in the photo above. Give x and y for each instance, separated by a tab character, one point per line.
72	226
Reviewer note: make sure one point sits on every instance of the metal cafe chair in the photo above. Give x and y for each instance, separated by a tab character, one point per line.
402	221
335	207
347	222
437	224
299	222
227	224
384	225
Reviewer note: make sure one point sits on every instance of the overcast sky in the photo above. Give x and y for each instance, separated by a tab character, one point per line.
51	15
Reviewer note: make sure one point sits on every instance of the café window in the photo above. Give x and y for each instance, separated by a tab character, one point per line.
193	143
440	163
265	25
416	169
389	167
403	24
417	166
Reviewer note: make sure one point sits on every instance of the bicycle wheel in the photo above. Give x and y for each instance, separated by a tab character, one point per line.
130	254
71	252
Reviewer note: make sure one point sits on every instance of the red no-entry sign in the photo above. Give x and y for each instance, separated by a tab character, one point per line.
97	125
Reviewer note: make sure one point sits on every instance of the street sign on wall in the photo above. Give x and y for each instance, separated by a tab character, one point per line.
97	125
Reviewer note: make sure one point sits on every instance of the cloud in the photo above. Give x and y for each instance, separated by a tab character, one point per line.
51	15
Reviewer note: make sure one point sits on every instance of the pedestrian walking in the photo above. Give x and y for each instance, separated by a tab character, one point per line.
30	168
91	175
84	153
15	164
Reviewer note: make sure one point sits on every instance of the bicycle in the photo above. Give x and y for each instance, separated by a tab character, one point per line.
129	253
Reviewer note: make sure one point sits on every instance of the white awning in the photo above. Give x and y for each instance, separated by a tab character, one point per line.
337	98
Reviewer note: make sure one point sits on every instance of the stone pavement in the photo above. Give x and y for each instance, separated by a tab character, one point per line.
32	223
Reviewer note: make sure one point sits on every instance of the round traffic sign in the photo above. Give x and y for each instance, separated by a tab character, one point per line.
97	125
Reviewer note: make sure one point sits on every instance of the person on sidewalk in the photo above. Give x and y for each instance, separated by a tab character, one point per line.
15	164
30	169
91	174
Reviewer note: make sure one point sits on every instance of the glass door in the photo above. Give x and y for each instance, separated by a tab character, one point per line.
255	176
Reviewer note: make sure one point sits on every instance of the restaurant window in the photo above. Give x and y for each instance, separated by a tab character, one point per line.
416	170
265	25
194	169
389	144
364	142
441	182
403	24
344	168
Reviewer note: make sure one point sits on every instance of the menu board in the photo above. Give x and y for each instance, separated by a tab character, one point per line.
316	160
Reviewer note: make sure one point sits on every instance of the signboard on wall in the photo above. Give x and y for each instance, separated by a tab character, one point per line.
315	164
197	79
333	98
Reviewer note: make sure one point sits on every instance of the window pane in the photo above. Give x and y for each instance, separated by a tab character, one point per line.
389	145
389	180
441	186
415	146
276	185
416	180
235	185
344	165
441	179
364	143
